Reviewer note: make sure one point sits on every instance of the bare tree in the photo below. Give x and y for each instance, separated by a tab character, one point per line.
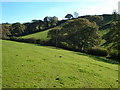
76	14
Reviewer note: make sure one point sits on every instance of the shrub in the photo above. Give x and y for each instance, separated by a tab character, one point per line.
32	40
13	38
38	41
114	54
77	34
98	51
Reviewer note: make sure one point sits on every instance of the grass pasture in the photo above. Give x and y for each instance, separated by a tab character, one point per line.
43	35
31	66
39	35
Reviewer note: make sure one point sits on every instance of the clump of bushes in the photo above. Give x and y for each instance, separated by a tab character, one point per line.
98	51
114	54
31	40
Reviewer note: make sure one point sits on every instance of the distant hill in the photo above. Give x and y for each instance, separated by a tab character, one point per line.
104	29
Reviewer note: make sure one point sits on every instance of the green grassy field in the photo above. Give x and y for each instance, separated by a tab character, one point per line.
103	34
32	66
40	35
43	35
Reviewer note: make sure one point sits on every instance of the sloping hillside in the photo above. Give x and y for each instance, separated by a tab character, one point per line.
40	35
104	32
43	35
31	66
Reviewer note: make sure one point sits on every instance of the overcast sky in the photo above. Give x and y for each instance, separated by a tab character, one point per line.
25	11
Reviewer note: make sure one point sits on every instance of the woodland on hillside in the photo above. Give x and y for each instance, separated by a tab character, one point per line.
79	33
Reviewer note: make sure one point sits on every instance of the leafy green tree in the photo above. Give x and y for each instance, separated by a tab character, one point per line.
17	29
96	18
5	31
41	24
79	34
47	20
27	29
38	24
53	21
33	26
69	16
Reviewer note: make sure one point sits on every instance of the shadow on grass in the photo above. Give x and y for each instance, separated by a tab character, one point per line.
98	58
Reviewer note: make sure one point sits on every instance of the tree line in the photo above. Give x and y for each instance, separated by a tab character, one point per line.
77	34
20	29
